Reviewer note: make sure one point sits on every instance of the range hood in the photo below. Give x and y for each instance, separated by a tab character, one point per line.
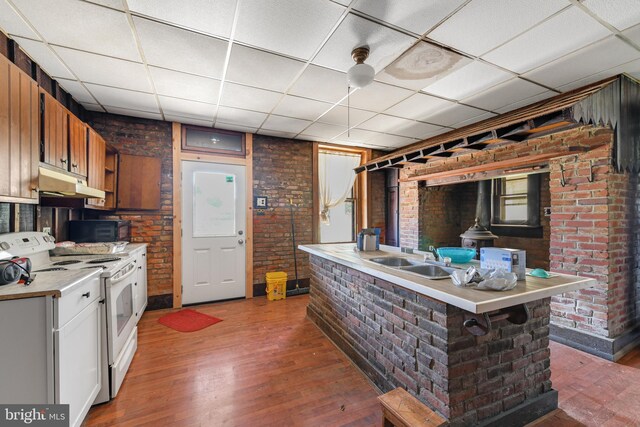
59	184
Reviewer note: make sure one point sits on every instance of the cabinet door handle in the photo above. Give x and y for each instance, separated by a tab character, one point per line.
63	161
74	165
88	294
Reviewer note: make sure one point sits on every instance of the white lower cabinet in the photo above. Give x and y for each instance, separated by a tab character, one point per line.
51	351
140	288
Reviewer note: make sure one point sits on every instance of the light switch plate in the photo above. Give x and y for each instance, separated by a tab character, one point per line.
547	211
46	230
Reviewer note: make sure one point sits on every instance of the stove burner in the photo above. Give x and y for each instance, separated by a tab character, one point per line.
101	260
94	266
51	269
68	262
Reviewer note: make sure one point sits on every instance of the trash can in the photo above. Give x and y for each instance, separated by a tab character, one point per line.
276	285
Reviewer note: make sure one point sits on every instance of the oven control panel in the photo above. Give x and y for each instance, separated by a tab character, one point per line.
26	243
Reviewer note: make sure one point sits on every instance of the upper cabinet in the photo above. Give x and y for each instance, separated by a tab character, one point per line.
139	182
19	136
55	132
96	167
77	146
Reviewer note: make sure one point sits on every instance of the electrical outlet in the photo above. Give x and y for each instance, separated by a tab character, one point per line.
46	230
547	211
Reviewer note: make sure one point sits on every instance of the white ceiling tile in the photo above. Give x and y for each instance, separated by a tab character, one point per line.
621	14
382	123
279	134
321	83
455	114
525	102
77	91
123	98
188	120
474	119
83	26
181	50
421	65
631	68
482	25
413	15
560	35
114	4
633	34
236	128
105	70
249	98
392	141
338	116
323	130
134	113
419	107
12	24
344	2
212	17
384	43
186	108
301	108
377	97
236	116
356	136
504	94
182	85
413	129
468	80
45	58
261	69
93	107
600	56
285	124
293	27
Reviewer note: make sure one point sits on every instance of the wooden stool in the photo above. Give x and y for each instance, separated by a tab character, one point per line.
400	409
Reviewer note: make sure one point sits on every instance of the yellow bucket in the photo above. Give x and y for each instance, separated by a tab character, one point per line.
276	285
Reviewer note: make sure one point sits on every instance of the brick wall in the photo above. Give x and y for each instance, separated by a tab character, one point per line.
377	201
403	339
282	170
409	213
144	137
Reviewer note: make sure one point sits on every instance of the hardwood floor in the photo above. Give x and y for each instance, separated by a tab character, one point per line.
267	365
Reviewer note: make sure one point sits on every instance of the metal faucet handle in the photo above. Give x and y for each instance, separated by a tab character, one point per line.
447	261
428	256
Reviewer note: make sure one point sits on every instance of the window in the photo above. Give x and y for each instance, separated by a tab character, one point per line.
516	206
337	195
213	141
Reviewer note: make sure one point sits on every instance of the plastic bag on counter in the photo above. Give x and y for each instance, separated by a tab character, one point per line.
492	280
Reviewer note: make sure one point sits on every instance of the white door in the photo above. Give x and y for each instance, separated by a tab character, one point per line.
213	227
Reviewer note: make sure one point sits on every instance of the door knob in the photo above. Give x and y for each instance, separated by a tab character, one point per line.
240	241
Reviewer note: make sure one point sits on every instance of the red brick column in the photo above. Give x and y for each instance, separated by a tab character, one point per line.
409	213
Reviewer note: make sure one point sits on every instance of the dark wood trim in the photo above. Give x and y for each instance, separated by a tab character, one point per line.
213	131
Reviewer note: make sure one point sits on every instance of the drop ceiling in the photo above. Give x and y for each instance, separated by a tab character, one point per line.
278	67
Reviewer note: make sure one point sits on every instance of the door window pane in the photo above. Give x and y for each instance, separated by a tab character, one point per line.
214	204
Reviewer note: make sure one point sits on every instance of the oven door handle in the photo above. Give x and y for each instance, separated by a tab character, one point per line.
130	273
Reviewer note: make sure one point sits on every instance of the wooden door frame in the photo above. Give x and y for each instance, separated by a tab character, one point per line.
362	187
178	157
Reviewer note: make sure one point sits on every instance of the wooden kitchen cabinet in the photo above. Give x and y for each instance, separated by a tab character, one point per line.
96	167
19	135
139	182
77	146
55	132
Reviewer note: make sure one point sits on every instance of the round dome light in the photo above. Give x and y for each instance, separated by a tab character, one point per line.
360	75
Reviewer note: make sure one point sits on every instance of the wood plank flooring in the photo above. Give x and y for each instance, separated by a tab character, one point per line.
267	365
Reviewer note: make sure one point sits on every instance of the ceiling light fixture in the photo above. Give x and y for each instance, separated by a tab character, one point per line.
361	74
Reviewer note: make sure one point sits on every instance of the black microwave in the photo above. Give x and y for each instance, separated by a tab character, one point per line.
99	230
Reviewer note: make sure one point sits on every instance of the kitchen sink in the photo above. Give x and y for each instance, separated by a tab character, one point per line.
430	271
393	261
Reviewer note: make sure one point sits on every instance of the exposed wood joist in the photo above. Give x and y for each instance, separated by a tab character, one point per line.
503	165
553	115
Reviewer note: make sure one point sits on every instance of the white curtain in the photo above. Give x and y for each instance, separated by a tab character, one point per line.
336	178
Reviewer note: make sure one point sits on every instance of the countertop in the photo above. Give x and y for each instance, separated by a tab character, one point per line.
473	300
51	283
133	247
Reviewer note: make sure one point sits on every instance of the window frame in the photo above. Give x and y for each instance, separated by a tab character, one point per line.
212	150
531	227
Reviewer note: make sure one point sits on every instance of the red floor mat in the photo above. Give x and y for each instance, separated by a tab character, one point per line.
188	320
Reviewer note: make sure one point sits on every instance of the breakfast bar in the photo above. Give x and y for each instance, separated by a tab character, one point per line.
476	357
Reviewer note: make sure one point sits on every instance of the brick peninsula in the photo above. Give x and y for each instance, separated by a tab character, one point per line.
476	357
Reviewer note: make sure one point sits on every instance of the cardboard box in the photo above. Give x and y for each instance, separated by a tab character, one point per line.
511	260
